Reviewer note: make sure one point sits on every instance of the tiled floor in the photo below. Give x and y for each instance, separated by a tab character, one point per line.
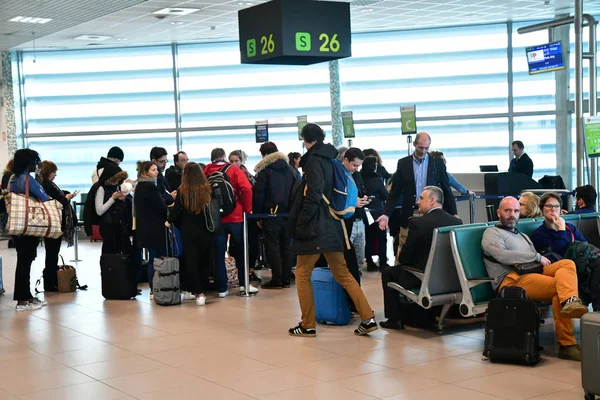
81	346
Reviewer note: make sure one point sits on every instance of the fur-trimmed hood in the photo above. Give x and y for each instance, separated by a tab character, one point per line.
117	179
270	160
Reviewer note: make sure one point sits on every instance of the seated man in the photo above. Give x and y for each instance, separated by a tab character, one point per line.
415	251
585	200
503	247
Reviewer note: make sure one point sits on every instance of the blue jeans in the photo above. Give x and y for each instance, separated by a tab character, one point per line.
152	254
236	230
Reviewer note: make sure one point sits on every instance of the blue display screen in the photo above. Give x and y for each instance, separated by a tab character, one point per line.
545	58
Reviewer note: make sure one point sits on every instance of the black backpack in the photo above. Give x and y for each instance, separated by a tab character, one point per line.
512	328
222	190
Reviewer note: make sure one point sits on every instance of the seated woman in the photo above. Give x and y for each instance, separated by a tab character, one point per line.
556	235
529	205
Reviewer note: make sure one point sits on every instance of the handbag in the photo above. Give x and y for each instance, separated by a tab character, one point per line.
67	277
31	217
529	268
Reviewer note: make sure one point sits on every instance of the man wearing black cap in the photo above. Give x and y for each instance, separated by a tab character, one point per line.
111	162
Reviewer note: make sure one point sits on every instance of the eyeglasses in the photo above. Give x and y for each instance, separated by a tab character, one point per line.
554	206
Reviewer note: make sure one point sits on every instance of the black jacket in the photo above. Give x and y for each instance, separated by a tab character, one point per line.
404	185
313	228
164	189
272	189
150	216
524	165
173	176
415	251
374	187
383	173
106	165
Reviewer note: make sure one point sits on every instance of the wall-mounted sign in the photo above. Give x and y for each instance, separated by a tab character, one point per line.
262	131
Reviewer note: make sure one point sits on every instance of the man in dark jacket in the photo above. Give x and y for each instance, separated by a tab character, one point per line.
316	231
415	252
174	173
158	155
585	200
414	172
271	194
521	163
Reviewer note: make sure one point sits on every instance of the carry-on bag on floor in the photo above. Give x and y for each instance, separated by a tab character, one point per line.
590	354
116	277
331	303
96	236
512	327
165	284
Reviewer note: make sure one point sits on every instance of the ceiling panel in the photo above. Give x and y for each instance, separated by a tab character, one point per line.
131	22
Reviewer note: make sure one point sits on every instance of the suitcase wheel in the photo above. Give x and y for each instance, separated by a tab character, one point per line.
589	396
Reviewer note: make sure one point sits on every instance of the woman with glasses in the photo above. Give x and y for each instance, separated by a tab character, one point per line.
555	234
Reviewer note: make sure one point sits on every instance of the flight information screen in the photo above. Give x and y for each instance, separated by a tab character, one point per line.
545	58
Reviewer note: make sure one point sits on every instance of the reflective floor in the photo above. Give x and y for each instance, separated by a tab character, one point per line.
81	346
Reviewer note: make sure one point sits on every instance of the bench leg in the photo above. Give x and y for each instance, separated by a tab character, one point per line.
443	314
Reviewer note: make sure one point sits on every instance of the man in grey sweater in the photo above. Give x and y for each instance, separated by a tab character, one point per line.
504	247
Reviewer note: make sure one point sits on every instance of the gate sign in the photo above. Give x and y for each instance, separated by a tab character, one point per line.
408	115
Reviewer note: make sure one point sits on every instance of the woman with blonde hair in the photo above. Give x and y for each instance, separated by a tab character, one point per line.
529	205
192	214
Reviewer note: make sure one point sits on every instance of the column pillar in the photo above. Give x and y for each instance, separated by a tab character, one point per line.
337	131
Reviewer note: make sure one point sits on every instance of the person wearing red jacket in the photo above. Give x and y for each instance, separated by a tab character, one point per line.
233	224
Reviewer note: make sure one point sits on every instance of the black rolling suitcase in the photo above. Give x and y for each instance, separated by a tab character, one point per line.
512	326
117	282
590	354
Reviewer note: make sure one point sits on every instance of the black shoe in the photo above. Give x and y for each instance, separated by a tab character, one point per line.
298	330
272	285
366	327
254	278
138	292
371	266
286	284
391	324
2	291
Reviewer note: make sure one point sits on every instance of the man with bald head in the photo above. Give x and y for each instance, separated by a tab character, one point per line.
504	247
413	174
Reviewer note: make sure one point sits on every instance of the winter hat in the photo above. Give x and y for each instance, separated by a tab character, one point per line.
116	152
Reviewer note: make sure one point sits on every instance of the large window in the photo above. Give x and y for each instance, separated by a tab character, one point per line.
218	92
449	72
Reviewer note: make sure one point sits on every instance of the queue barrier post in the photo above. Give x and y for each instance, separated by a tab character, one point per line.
76	237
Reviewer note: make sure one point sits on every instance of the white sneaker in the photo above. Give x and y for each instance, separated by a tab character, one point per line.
201	300
29	306
224	294
38	301
188	296
251	288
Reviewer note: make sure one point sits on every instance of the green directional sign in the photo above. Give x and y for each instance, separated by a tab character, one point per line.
408	115
592	136
302	121
348	122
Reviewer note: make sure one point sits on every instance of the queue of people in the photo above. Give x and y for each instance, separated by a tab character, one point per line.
132	215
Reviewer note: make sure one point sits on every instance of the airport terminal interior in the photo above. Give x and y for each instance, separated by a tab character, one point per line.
79	78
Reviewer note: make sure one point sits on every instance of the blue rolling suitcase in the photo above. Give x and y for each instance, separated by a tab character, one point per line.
331	303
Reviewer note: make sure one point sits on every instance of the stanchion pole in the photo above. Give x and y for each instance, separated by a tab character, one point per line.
246	292
76	236
472	208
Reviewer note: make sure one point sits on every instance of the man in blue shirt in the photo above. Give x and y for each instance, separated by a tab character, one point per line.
413	173
585	200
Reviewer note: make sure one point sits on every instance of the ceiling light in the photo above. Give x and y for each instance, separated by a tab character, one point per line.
366	10
471	16
93	38
122	39
31	20
245	3
176	23
176	11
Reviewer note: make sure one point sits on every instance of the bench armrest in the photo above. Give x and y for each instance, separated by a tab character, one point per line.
415	271
478	281
412	296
